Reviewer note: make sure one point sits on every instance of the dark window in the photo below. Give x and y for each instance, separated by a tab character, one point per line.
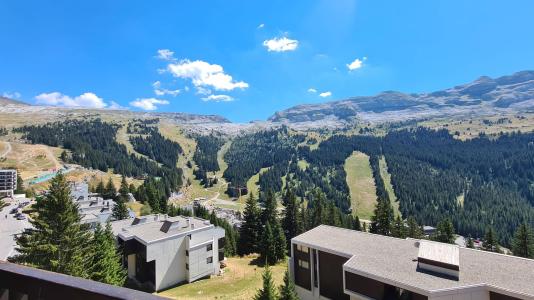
186	252
378	290
331	275
187	266
209	260
497	296
301	262
209	247
315	279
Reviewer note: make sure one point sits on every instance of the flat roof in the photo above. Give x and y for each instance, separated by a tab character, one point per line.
395	260
149	228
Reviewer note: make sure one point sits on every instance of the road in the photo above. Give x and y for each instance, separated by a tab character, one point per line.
8	149
9	226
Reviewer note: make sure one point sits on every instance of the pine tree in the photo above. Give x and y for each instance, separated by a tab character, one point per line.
58	241
490	243
120	211
469	243
269	213
100	189
444	232
268	253
110	192
106	264
399	230
280	241
357	225
382	220
268	291
291	224
287	289
414	231
124	190
20	185
249	233
523	243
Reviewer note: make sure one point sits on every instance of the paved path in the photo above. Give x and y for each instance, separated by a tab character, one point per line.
8	228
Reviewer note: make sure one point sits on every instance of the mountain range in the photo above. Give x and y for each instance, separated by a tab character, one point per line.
484	96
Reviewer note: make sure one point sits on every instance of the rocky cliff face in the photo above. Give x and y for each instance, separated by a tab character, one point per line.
480	97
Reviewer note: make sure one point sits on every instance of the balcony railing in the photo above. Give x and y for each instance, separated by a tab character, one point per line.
20	282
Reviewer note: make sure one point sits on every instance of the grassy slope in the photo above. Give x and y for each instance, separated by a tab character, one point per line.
240	280
361	185
30	160
384	173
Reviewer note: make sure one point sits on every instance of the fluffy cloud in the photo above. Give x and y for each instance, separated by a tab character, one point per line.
89	100
159	91
312	90
325	94
218	98
165	54
205	75
148	103
11	95
281	44
356	64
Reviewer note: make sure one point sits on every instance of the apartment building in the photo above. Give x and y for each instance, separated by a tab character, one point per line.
93	209
161	251
8	183
335	263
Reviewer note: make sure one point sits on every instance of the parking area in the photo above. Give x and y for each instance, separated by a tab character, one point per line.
9	227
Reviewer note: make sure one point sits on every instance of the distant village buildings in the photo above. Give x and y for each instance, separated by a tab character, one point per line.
8	183
93	209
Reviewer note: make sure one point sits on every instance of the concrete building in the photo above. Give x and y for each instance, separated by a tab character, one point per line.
161	251
8	183
334	263
93	208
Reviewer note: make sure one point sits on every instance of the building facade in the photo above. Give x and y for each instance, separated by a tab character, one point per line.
93	209
160	251
335	263
8	183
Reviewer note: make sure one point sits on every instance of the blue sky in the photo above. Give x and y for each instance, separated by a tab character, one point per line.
247	59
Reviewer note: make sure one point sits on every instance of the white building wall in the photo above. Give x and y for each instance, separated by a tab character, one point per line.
170	261
479	294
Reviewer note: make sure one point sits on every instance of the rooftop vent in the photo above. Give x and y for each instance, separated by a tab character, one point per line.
139	220
169	225
438	258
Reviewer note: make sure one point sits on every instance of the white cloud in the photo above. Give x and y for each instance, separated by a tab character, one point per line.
356	64
11	95
116	106
162	92
89	100
148	103
218	98
205	75
312	90
281	44
261	26
325	94
165	54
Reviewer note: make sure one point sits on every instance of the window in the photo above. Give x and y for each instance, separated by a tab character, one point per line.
209	260
302	248
186	252
187	266
304	264
209	247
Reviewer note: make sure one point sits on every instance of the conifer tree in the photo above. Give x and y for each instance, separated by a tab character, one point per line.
280	241
357	224
490	242
120	211
269	213
268	291
382	220
110	191
399	230
100	189
287	289
291	223
106	264
249	233
124	190
469	243
414	231
523	243
444	232
268	249
58	241
20	185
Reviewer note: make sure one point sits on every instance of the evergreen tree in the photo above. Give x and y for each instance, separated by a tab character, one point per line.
269	213
120	211
132	188
100	189
490	242
444	232
64	156
287	289
280	241
523	243
399	230
106	264
268	250
20	185
124	190
58	241
110	192
414	231
268	291
291	223
469	243
382	220
249	233
357	225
